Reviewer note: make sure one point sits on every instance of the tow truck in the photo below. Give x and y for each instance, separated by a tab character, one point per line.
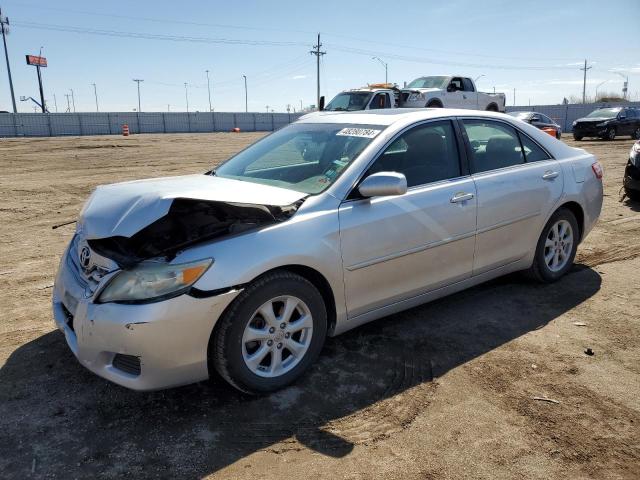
371	97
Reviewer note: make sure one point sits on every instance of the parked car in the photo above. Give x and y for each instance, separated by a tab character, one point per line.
538	120
371	97
632	173
331	222
450	91
607	123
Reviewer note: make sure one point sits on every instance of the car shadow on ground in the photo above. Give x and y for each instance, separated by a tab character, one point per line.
60	420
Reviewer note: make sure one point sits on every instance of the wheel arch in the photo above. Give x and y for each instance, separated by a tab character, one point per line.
492	107
434	103
578	212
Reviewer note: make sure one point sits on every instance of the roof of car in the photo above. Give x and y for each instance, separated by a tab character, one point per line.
388	116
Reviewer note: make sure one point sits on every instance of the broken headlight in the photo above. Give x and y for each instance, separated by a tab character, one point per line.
153	281
634	155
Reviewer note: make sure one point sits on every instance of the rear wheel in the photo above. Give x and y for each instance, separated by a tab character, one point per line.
492	107
577	137
434	104
556	248
271	334
636	134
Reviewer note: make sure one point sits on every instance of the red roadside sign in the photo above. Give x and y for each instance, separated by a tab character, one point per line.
36	60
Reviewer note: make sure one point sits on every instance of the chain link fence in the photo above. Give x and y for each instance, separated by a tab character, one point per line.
60	124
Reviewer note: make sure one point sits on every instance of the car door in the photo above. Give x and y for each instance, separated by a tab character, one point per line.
397	247
470	95
518	184
453	97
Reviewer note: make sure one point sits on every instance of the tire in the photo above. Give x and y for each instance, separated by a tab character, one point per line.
558	134
492	107
633	195
577	137
230	352
610	134
434	104
540	269
636	134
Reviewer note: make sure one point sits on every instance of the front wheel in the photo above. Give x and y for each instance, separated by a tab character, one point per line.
577	137
434	104
271	334
610	134
636	134
556	248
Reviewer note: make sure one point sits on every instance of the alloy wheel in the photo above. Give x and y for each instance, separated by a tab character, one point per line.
558	245
277	336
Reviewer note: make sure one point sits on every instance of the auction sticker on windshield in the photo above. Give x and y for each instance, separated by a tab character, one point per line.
359	132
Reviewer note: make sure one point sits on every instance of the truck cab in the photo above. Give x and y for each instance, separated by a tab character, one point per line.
371	97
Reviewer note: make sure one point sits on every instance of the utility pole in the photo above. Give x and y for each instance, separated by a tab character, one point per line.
68	105
301	105
5	21
138	80
95	92
55	102
246	103
73	100
186	95
514	97
316	51
584	82
209	90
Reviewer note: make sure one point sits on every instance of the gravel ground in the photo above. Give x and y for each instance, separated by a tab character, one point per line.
440	391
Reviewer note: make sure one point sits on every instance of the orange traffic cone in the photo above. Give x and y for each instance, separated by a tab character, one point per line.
125	130
235	129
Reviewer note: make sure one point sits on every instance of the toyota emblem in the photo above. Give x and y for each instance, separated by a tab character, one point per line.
85	257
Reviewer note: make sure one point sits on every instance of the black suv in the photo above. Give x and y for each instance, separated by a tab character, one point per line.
606	123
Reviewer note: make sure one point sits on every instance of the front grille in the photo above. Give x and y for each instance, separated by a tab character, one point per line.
127	363
68	317
89	281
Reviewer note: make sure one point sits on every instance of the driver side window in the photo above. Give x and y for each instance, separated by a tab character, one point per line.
424	154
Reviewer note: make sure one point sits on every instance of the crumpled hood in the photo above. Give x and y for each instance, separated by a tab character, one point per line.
421	90
122	209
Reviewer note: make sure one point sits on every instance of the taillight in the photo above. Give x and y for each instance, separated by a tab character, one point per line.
597	170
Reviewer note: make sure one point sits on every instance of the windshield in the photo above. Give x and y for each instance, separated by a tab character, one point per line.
349	101
429	82
304	157
604	113
520	115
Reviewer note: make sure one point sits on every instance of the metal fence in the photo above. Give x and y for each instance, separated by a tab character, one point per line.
564	115
59	124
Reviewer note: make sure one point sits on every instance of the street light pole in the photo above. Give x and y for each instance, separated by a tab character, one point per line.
246	103
73	100
478	78
186	95
385	65
209	90
95	92
138	80
597	87
625	85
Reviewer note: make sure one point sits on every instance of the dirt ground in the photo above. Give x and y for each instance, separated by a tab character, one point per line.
443	391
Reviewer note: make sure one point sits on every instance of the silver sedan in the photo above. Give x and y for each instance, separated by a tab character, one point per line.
336	220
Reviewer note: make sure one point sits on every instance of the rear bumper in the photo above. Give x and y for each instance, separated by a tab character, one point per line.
170	338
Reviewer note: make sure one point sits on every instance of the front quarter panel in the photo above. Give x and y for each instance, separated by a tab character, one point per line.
311	238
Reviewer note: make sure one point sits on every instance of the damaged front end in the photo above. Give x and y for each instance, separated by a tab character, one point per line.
189	222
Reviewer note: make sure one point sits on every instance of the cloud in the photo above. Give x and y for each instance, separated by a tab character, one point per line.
635	69
298	77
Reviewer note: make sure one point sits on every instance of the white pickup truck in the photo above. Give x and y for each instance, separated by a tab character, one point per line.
450	92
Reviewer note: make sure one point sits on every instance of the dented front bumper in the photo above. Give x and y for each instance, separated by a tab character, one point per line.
170	338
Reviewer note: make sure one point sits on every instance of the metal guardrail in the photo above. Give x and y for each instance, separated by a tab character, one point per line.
85	123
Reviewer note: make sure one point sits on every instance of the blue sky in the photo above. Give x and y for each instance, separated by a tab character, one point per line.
535	47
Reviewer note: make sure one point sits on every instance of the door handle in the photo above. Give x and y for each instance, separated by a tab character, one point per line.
461	197
550	175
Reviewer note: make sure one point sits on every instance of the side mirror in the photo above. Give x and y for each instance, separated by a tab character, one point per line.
383	184
622	116
321	105
535	118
